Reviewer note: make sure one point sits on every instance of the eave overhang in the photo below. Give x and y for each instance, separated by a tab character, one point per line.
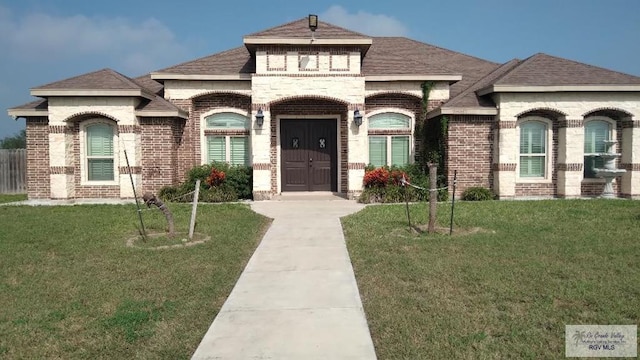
556	88
462	111
45	93
172	76
450	78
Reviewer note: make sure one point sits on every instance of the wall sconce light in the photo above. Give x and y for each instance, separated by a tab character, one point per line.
313	22
259	118
357	118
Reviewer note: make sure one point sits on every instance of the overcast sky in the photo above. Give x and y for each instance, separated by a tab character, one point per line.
50	40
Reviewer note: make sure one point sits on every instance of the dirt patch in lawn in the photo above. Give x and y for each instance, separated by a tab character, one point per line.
161	241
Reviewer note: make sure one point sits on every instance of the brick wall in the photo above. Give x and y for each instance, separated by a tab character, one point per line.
469	150
159	156
38	180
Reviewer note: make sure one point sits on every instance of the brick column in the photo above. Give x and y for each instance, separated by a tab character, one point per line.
505	159
570	157
630	160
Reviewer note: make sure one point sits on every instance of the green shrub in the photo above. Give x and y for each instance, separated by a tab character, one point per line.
240	178
391	192
221	193
169	193
477	193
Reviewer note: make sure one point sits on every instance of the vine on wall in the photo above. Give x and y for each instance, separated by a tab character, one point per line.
433	133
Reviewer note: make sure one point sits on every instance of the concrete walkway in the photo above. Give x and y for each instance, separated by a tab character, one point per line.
297	298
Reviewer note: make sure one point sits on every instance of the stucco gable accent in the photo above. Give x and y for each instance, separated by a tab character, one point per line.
88	115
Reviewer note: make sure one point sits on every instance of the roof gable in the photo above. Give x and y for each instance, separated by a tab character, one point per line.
546	70
105	82
300	29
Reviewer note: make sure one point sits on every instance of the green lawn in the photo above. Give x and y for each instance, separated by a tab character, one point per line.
6	198
71	289
506	291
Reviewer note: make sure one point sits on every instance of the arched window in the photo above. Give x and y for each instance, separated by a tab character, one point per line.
595	133
227	138
99	156
533	149
389	139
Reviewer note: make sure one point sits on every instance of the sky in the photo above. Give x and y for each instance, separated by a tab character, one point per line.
42	41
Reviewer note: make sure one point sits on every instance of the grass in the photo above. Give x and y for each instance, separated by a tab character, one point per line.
505	292
70	288
7	198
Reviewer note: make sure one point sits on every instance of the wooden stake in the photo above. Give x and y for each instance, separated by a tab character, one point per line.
194	209
433	196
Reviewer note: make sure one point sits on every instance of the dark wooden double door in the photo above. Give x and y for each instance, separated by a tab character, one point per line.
309	155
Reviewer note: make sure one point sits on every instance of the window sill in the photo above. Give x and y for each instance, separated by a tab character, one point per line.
99	183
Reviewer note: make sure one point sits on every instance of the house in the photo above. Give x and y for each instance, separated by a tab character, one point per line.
308	107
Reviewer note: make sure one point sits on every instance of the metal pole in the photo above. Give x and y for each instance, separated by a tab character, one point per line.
194	209
453	200
144	233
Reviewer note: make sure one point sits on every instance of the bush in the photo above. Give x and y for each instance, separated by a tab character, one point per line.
219	182
477	193
383	184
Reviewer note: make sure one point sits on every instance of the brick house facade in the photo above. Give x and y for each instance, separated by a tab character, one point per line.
521	128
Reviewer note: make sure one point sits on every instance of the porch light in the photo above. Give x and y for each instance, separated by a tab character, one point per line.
313	22
259	118
357	118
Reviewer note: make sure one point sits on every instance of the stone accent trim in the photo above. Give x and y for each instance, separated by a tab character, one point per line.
630	166
60	129
261	166
630	124
309	54
261	195
270	55
61	170
312	75
390	132
506	124
504	167
575	123
134	170
135	129
331	68
226	132
356	166
570	167
257	106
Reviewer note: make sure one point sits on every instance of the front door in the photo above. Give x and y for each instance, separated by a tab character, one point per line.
309	155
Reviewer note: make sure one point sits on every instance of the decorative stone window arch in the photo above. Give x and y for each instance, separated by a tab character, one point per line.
535	149
224	136
99	152
390	137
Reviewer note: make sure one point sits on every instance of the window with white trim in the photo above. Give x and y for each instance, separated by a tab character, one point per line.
533	149
389	139
99	152
595	133
227	138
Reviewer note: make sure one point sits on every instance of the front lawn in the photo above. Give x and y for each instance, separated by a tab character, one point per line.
70	288
505	291
7	198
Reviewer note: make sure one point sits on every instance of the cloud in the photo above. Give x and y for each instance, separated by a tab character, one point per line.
134	47
364	22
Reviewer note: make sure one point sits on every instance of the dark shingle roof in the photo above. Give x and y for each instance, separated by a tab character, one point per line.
147	82
469	98
230	62
433	58
546	70
105	79
40	104
300	29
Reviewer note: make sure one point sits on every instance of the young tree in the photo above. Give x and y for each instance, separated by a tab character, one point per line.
18	141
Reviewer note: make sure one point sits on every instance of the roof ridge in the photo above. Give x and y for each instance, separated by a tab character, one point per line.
274	27
445	49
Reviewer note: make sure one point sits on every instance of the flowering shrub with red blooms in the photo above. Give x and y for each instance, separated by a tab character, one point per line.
376	178
215	178
397	175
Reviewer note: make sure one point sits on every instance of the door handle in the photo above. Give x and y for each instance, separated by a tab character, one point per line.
310	162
